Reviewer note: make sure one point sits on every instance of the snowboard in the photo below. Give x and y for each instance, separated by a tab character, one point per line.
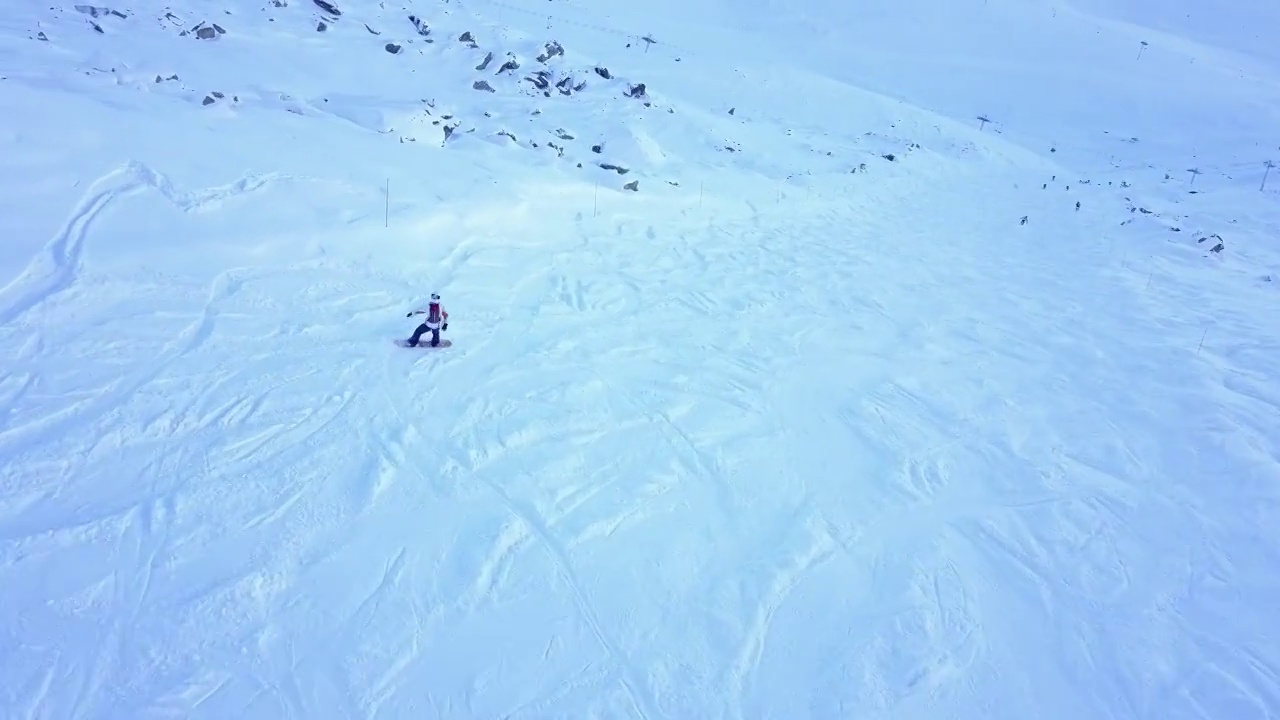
426	344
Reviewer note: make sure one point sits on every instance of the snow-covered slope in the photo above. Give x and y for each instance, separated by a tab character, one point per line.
855	405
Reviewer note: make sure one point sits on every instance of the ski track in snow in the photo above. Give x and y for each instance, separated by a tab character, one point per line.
805	452
512	471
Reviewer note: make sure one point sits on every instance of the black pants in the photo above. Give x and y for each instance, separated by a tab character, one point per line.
422	330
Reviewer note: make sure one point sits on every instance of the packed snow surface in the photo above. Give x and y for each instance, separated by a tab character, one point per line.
929	370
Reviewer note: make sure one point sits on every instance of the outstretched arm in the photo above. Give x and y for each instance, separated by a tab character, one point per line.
415	312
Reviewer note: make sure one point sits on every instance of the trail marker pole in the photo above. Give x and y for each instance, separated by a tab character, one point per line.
1265	174
595	201
387	212
1202	337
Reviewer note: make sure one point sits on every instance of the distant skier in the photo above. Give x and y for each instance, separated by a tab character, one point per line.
437	320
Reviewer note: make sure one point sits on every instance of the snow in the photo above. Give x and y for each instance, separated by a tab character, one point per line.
790	431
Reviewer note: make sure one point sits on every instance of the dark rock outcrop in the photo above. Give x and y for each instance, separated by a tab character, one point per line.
552	49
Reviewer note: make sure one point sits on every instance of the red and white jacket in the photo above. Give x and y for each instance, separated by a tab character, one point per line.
436	316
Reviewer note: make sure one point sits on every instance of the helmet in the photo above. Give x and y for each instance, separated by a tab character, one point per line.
435	297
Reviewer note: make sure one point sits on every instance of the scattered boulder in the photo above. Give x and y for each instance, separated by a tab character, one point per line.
890	157
420	25
562	134
393	48
633	186
636	91
208	100
328	7
468	38
488	58
321	27
616	168
604	73
552	49
371	30
95	11
510	65
1217	246
566	86
483	85
597	149
540	79
42	37
205	32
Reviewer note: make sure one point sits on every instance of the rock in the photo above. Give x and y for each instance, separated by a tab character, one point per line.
1217	247
321	27
552	49
41	36
890	157
483	85
371	30
488	58
540	79
633	186
616	168
510	65
94	11
562	134
392	48
420	25
597	149
467	37
636	91
208	100
328	7
206	33
604	73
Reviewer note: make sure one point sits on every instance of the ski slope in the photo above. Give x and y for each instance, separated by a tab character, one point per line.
791	430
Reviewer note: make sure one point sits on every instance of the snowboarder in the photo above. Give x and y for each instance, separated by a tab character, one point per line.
437	320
